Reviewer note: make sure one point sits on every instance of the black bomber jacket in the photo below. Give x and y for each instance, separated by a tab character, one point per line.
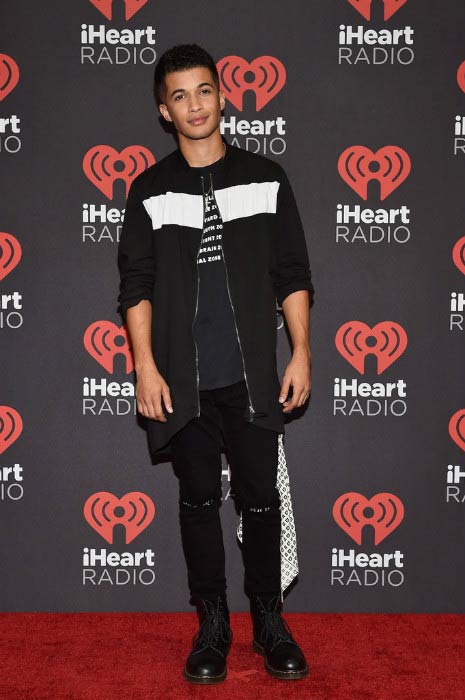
266	259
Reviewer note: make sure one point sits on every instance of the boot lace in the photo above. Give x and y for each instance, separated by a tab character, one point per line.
274	627
214	628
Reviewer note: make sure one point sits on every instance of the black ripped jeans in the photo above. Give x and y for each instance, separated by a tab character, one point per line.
252	453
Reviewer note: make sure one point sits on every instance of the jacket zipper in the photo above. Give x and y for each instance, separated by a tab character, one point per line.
251	408
197	300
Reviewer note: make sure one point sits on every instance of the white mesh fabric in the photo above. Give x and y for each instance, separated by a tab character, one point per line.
289	561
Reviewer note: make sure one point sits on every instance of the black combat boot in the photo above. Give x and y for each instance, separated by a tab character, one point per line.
273	639
207	661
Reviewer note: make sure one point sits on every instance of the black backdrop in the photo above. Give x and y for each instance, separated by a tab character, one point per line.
72	97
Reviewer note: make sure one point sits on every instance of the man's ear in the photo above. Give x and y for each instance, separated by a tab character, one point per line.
164	112
222	99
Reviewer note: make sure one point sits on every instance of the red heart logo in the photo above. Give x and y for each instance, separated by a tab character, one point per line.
391	7
364	7
11	427
386	340
104	6
390	165
10	253
457	428
103	165
461	76
268	78
104	510
351	511
458	254
9	75
130	7
103	340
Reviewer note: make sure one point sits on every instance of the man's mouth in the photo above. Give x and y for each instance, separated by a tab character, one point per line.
198	121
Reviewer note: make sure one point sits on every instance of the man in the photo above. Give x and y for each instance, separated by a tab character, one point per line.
211	240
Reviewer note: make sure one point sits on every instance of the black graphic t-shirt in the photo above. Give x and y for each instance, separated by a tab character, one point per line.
219	353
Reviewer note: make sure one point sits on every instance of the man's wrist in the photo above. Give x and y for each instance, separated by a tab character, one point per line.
302	349
147	365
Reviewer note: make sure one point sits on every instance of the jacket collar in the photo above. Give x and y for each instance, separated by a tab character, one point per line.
185	165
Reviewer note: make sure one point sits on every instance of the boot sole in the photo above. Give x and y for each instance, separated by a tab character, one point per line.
284	675
204	680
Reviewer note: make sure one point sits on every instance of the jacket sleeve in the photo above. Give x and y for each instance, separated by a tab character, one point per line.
291	268
135	254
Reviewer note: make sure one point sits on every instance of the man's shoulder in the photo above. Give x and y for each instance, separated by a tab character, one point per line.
152	177
256	163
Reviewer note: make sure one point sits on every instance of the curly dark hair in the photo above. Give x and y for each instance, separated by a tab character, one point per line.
181	57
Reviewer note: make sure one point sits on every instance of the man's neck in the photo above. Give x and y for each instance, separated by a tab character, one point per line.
201	152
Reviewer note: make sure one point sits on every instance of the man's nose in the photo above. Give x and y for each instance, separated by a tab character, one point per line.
194	104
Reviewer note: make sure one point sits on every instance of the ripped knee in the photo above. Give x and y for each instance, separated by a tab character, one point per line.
274	505
189	505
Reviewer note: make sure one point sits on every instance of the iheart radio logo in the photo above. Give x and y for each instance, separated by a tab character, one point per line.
10	253
103	165
103	340
130	7
364	7
386	340
457	428
461	76
458	254
390	165
104	510
9	75
384	512
264	75
11	427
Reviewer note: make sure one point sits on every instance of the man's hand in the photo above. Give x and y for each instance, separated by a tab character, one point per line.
297	375
150	388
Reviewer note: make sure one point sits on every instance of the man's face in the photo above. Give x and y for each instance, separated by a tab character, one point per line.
192	102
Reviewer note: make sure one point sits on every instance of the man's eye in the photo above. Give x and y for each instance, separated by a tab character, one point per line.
207	90
178	97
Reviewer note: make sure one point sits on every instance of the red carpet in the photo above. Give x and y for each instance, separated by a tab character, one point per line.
125	656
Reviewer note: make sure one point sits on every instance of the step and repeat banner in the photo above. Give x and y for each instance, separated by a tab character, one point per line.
363	103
